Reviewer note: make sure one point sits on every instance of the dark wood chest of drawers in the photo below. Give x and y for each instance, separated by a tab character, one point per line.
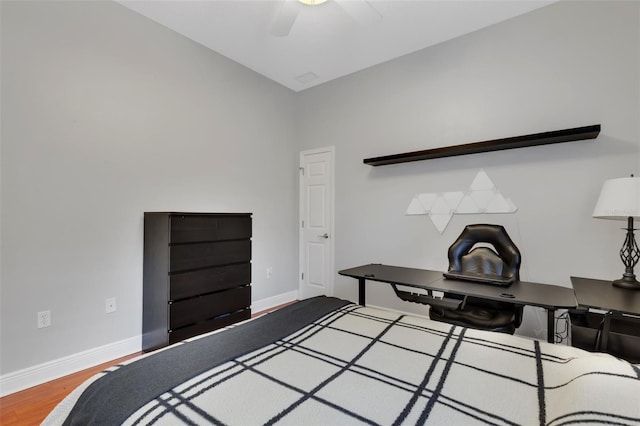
197	274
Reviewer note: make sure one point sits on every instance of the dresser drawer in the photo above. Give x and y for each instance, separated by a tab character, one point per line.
194	283
200	228
203	255
198	309
210	325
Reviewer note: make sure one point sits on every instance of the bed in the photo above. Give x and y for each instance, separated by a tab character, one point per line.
327	361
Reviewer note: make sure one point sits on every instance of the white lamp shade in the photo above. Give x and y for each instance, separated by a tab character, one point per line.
619	199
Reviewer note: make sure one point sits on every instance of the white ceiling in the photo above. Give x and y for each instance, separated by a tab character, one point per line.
325	42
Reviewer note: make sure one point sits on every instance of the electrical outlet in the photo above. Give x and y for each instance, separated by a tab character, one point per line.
44	319
110	305
269	272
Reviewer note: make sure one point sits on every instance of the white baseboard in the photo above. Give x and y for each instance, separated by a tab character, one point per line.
271	302
42	373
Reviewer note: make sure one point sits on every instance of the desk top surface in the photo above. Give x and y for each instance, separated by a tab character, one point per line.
600	294
520	292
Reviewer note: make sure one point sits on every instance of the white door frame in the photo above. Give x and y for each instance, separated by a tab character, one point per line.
331	241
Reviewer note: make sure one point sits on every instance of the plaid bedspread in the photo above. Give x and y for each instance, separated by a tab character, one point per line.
360	365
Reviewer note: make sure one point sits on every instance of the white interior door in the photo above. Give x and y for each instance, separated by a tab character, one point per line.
316	222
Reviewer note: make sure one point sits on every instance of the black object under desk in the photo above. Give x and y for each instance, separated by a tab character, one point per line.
617	330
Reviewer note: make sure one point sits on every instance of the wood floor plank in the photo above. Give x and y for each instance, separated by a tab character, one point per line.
31	406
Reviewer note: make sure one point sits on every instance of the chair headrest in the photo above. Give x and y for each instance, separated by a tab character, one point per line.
494	235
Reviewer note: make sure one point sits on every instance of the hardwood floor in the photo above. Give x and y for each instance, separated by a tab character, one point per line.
31	406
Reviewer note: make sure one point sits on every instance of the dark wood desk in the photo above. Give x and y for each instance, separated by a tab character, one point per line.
616	302
547	296
600	294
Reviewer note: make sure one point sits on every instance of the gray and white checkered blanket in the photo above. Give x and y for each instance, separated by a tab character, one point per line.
360	365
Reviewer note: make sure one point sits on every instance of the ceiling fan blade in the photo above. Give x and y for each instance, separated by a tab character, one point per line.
361	10
285	18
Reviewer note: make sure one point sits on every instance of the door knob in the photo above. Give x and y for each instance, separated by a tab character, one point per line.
325	236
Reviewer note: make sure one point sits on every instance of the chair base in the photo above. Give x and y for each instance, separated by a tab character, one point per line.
476	317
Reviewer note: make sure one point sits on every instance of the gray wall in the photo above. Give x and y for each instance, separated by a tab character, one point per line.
566	65
105	115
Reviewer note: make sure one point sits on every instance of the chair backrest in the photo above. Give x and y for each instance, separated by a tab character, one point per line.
502	259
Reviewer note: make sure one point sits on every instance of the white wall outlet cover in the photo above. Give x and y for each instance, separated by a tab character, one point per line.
110	305
44	319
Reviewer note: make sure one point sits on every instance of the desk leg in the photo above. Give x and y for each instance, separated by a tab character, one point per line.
604	336
361	291
551	325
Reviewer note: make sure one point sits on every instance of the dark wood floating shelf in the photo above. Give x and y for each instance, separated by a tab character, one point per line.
544	138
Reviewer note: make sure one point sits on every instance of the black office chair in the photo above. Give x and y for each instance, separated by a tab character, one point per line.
470	255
